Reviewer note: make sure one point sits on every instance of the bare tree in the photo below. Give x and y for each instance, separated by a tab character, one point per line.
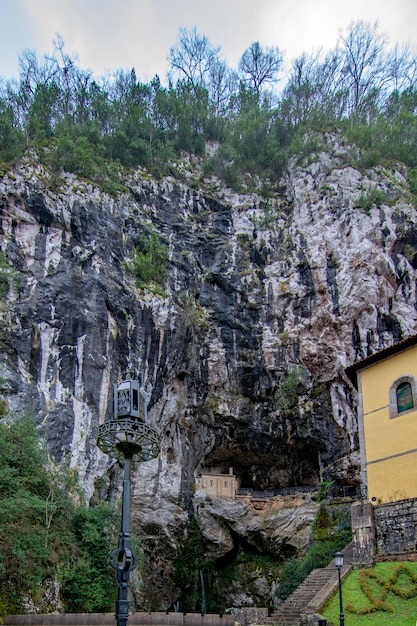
222	84
314	83
192	57
365	68
260	66
301	91
66	75
354	79
56	70
403	68
34	72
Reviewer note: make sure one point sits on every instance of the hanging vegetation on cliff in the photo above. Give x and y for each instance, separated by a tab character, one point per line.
54	542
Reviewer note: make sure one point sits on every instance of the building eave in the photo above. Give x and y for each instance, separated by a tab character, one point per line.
352	370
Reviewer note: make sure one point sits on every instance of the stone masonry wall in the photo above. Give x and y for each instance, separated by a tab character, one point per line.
363	531
107	619
396	527
383	530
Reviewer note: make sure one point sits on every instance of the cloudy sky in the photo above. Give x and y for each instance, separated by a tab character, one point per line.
106	35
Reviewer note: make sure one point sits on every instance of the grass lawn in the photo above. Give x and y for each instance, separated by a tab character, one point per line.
380	588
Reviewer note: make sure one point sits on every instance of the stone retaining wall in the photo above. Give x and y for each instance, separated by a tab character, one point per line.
382	530
107	619
396	527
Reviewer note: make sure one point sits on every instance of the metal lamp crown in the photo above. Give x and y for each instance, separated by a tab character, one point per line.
127	435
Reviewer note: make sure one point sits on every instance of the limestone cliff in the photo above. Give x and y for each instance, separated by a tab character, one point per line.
270	295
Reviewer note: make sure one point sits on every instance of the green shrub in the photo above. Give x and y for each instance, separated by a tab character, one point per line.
78	156
8	276
305	142
191	568
287	395
412	181
4	285
88	583
368	199
149	263
11	137
336	522
43	536
324	489
31	515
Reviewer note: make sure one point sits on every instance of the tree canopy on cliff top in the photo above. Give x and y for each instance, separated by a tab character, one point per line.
256	113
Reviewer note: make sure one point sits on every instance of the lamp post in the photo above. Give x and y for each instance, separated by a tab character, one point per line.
338	561
127	437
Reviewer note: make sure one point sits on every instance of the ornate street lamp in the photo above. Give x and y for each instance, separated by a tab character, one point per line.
338	561
127	437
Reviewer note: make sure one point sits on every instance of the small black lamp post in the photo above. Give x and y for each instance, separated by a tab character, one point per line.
127	437
338	561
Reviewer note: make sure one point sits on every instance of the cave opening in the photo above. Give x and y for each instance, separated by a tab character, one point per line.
263	462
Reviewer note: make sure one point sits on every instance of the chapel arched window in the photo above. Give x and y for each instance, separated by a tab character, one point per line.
404	394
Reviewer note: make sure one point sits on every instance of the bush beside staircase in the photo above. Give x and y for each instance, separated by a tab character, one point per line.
304	604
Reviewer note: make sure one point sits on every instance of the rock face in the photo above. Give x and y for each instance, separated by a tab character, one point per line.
242	354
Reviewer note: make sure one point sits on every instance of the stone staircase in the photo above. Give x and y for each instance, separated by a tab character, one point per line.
310	596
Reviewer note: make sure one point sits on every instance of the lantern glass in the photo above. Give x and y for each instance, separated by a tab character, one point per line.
338	559
126	400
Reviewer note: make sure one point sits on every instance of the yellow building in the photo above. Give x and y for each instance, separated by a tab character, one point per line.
387	420
219	485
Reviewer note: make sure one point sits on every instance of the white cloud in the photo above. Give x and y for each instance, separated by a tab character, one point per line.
112	34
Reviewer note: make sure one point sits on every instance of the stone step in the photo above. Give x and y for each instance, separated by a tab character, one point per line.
288	614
